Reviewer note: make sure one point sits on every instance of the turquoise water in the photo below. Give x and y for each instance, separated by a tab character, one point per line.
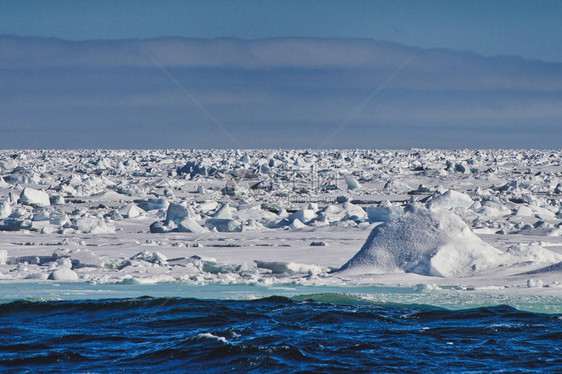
446	298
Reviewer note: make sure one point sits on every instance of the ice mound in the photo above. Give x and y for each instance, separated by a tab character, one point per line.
426	242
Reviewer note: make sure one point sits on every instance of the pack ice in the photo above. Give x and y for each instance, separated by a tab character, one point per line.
461	217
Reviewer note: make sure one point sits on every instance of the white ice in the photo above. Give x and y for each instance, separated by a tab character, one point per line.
462	218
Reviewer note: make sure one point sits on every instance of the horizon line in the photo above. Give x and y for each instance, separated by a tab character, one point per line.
281	38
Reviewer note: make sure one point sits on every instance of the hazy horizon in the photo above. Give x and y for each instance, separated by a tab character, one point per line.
272	93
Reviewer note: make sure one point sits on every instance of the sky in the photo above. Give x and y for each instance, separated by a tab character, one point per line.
299	74
527	28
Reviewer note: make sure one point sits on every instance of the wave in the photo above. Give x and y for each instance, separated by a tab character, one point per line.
167	303
308	332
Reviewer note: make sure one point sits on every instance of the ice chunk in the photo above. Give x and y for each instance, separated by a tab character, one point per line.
58	219
508	187
246	159
64	274
252	225
5	209
14	224
131	211
37	276
397	186
85	258
533	252
197	167
352	183
152	257
158	227
154	204
297	224
57	200
354	212
449	200
321	220
223	225
264	169
303	215
333	212
384	213
425	242
207	206
534	283
177	213
423	287
289	268
41	215
30	196
541	228
224	212
93	225
524	211
190	225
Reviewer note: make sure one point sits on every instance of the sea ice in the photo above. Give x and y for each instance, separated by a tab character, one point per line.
249	207
426	242
34	197
385	212
64	274
5	209
449	200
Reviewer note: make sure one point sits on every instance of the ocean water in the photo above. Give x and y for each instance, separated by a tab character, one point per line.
320	332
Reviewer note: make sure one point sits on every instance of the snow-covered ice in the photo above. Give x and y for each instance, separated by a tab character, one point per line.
469	219
426	242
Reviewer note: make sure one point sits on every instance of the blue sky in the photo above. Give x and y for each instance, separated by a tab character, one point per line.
528	28
329	78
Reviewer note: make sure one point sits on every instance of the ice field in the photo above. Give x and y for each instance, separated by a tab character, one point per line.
487	221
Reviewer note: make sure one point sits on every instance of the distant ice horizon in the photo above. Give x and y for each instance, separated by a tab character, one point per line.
298	93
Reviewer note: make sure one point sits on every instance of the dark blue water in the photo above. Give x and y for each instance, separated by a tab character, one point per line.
275	334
